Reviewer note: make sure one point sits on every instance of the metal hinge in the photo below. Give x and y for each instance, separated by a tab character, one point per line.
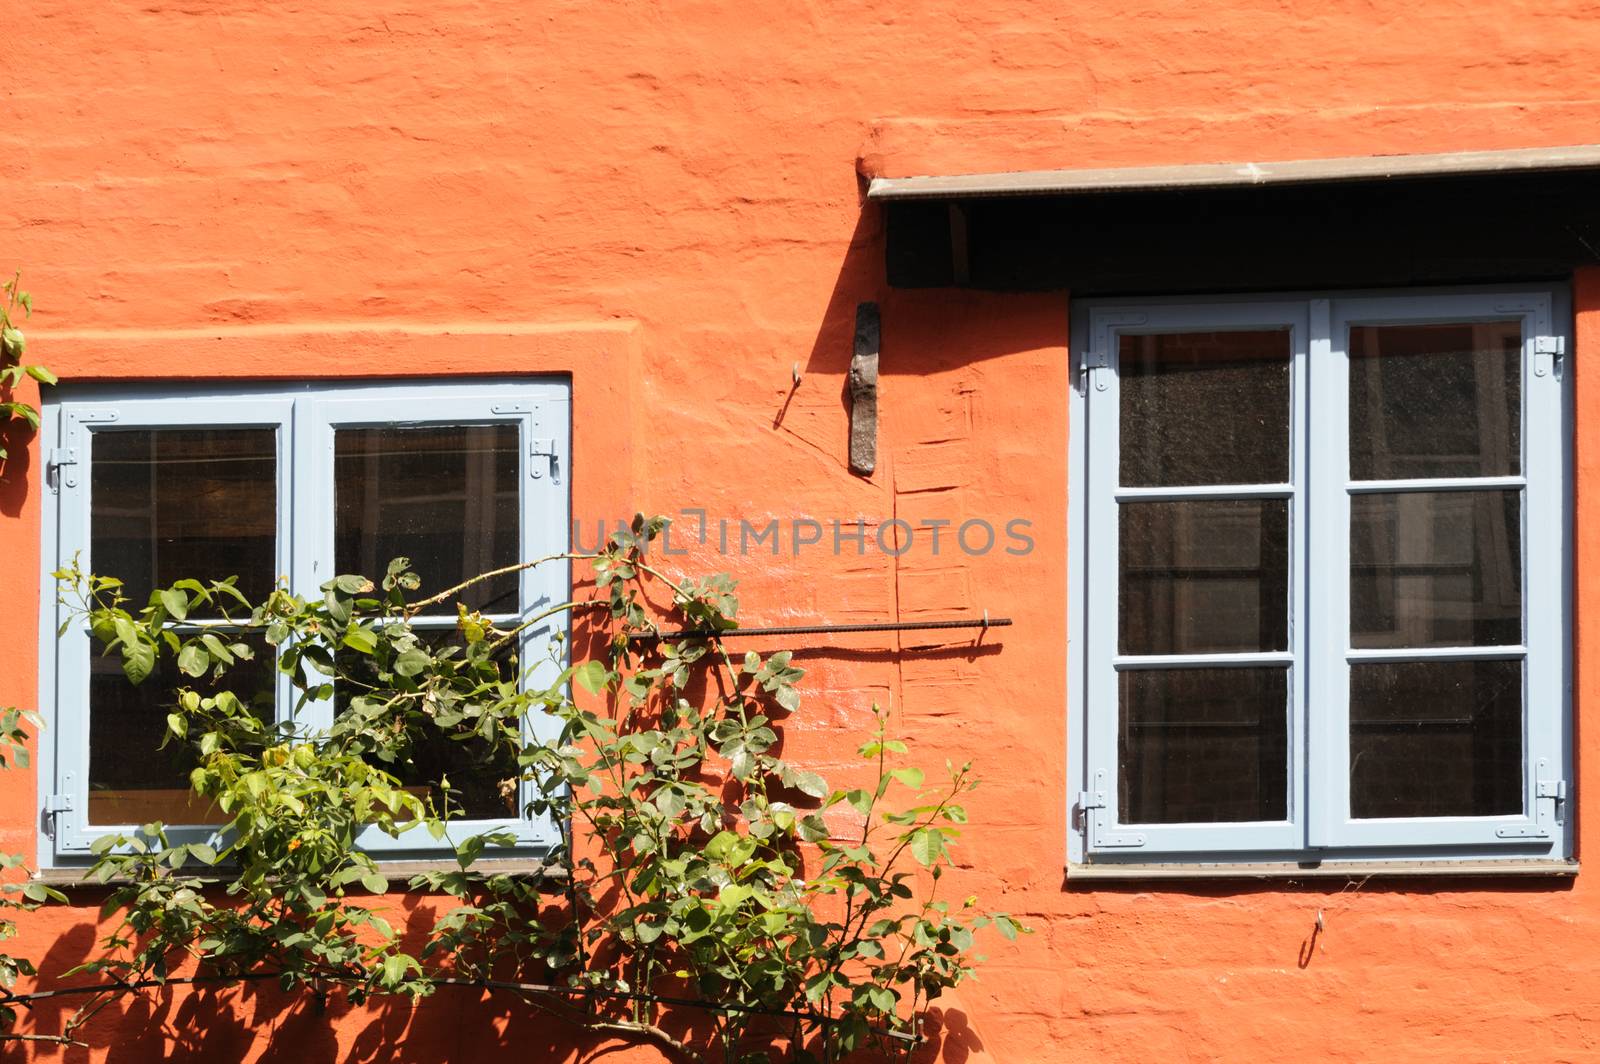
58	458
1095	365
54	806
1088	800
1556	789
545	447
1547	354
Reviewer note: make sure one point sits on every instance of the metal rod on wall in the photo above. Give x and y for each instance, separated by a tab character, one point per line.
823	629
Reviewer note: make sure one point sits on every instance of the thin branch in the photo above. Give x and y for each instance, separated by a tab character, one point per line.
448	593
54	1039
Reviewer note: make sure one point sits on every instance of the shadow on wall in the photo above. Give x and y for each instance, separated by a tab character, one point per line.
259	1021
16	471
924	330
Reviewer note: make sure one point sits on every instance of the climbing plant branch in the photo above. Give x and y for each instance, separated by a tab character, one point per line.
703	891
15	306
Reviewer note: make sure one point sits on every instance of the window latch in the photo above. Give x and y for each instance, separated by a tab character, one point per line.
544	447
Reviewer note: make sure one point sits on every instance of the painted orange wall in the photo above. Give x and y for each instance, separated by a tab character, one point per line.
664	200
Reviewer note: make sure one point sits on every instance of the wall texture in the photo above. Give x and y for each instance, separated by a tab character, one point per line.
673	191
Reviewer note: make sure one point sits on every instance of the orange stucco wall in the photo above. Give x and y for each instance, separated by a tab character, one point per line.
663	200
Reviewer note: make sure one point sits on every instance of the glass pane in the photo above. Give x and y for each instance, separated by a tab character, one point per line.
1436	739
130	780
1204	408
481	779
1199	746
444	496
166	504
1435	400
1436	568
1203	575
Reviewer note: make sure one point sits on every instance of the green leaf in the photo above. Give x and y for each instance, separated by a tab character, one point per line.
203	852
911	777
352	585
926	846
376	884
42	375
394	969
193	660
592	676
12	340
217	648
177	724
361	640
810	783
138	660
411	662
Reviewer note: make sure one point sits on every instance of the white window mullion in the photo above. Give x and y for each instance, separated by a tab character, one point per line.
1327	561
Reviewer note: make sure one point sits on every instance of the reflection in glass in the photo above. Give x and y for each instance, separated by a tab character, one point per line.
443	496
1203	575
1436	568
1203	745
166	504
1436	739
130	780
477	773
1204	408
1435	400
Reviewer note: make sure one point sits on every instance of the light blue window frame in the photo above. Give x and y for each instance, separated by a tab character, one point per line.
1318	827
305	417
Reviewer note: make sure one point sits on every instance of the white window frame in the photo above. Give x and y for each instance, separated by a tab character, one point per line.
305	416
1318	829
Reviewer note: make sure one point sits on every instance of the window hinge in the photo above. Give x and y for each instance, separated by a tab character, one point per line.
1088	800
1547	354
1095	365
55	461
545	447
54	806
1556	789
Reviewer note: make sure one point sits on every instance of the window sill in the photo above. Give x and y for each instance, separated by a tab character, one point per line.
72	877
1324	870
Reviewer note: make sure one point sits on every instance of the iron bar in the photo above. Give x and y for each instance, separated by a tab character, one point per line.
822	629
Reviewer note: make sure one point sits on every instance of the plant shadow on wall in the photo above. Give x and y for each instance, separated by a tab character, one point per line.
19	418
705	895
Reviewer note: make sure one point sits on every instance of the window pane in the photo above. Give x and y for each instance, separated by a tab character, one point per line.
1435	400
444	496
1203	745
478	774
167	504
1203	575
1204	408
1436	568
1436	739
130	780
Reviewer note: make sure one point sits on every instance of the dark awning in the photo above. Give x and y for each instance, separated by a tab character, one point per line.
1365	221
